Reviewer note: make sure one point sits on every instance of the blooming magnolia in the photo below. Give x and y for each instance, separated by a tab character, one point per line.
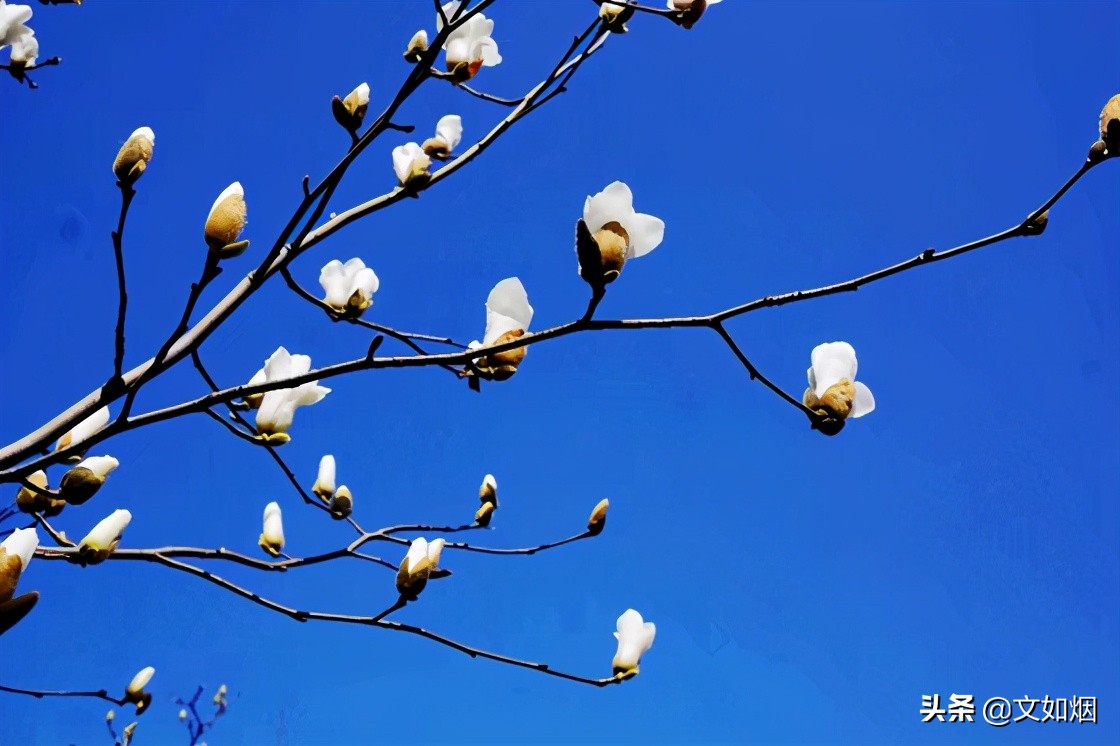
133	157
16	552
84	480
833	389
226	221
272	533
324	481
350	111
411	164
349	287
469	47
635	637
277	408
83	430
449	132
135	693
417	566
612	232
14	33
103	538
689	11
508	315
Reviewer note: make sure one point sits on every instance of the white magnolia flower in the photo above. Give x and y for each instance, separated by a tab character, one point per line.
349	287
508	314
324	482
25	47
690	10
140	680
278	408
12	28
635	637
411	164
350	111
272	534
449	132
226	221
84	429
620	232
101	466
418	564
83	481
488	492
104	537
469	47
832	382
21	542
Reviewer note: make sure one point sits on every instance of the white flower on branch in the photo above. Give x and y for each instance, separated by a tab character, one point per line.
417	45
272	533
16	552
635	637
611	232
277	408
449	132
13	33
82	431
84	480
135	693
469	47
132	159
508	315
411	165
103	538
689	11
324	481
349	287
226	221
833	389
350	111
417	566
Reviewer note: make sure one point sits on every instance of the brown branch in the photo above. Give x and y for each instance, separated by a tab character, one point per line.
41	693
756	375
19	70
127	193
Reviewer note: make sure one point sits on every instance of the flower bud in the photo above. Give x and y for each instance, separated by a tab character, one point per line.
411	165
13	611
134	156
16	552
615	16
272	536
483	514
417	566
342	504
598	517
324	482
417	45
38	501
182	714
350	111
488	490
1110	126
135	693
689	11
109	716
103	538
83	481
226	221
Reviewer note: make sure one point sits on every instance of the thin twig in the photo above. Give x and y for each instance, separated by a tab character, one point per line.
127	193
42	693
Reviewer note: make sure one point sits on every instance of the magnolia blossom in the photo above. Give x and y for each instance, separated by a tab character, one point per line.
277	408
350	111
272	534
84	429
417	45
100	542
13	32
468	47
411	165
598	517
833	388
133	157
612	232
135	693
349	287
422	558
635	637
21	543
324	482
488	490
449	132
82	482
689	11
15	554
508	314
226	221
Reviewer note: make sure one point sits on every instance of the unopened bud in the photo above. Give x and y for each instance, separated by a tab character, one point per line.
134	156
411	164
689	11
417	46
182	714
226	221
110	715
488	490
350	111
1110	126
601	255
615	17
83	481
483	515
342	503
598	517
13	611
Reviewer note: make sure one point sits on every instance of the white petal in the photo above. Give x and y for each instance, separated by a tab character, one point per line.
457	50
450	129
25	47
417	556
449	11
435	549
146	133
831	362
615	202
864	402
646	233
366	281
22	542
232	189
273	525
140	680
403	157
507	308
276	412
361	93
102	466
332	278
308	393
326	476
108	530
487	51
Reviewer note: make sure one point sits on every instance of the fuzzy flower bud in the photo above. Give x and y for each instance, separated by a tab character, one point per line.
350	111
226	221
134	155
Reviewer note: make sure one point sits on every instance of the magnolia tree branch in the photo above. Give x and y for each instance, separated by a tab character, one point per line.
19	71
42	694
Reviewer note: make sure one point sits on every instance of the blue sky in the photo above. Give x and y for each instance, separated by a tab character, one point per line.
961	539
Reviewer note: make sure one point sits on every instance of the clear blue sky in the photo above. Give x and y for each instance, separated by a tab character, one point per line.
963	538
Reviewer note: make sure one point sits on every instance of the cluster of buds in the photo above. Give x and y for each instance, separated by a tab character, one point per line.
488	496
419	564
38	498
